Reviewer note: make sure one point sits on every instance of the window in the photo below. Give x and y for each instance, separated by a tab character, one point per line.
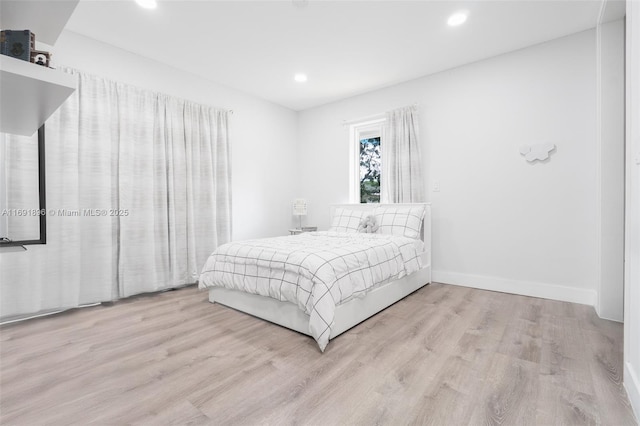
367	141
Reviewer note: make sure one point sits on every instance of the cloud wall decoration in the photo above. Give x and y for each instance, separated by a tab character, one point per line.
538	152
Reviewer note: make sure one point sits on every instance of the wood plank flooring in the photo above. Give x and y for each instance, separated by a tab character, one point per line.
445	355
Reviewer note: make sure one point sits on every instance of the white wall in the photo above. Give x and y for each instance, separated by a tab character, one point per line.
610	140
262	134
632	210
498	221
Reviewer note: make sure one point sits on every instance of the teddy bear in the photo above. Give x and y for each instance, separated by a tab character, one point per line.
368	224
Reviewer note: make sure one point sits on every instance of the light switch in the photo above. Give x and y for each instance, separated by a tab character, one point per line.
436	186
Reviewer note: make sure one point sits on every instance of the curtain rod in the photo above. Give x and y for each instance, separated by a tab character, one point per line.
370	117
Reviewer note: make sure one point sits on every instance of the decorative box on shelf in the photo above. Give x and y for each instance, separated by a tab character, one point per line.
302	230
17	44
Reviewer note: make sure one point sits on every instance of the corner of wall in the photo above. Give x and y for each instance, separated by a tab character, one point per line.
609	165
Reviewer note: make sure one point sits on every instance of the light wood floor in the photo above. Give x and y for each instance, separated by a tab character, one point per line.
445	355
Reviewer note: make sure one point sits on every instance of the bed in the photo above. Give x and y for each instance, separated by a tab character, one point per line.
323	283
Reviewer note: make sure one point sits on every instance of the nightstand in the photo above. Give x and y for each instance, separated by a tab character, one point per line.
303	230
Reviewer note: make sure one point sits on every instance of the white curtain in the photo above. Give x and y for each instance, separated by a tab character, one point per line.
159	167
402	180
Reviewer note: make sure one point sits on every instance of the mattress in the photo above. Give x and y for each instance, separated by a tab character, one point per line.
316	271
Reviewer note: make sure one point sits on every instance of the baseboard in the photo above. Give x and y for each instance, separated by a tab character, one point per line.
632	385
523	288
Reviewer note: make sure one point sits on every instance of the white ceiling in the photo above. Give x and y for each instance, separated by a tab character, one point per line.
345	47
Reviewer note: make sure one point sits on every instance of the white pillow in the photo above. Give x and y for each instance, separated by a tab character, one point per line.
405	221
346	220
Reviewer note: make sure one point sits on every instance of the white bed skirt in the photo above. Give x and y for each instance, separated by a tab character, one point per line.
347	315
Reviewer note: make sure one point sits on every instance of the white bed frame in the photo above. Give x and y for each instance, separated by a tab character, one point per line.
348	314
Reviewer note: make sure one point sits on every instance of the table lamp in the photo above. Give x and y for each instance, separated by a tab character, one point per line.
300	208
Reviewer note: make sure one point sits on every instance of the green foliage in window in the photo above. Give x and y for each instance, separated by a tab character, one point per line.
370	166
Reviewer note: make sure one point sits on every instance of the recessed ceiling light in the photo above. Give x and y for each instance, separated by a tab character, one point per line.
457	18
147	4
300	78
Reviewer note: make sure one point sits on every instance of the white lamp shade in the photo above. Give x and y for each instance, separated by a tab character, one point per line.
300	207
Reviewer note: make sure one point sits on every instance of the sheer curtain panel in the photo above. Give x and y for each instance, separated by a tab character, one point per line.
402	180
160	168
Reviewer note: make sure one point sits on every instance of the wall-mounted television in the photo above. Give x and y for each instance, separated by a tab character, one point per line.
23	218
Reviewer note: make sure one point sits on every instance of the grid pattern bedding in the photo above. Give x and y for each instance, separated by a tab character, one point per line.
317	270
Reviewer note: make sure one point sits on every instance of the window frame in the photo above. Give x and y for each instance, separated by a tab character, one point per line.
370	128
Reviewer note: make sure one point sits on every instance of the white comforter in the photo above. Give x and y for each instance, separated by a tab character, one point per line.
316	270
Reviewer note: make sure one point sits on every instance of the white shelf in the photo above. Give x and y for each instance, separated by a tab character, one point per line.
29	94
46	19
